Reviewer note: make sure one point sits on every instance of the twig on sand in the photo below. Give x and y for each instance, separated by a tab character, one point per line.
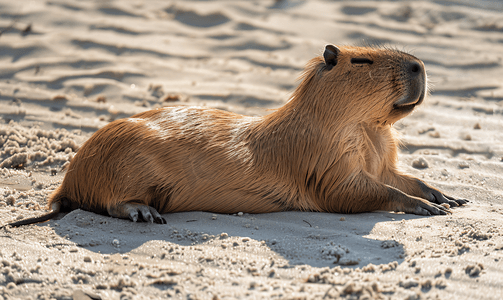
2	31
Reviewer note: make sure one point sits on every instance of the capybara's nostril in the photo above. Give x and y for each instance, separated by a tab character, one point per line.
415	68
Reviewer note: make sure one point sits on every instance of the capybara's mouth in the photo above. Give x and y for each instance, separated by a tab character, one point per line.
409	103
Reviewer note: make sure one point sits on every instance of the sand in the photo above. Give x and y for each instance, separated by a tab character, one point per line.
67	68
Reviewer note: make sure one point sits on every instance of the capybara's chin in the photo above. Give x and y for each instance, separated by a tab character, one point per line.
330	148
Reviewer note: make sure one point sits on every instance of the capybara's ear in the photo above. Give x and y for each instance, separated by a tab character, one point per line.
330	56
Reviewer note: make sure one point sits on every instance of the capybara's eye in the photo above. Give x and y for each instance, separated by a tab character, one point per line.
361	61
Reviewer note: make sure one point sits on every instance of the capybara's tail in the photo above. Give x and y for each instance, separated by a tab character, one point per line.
56	208
57	202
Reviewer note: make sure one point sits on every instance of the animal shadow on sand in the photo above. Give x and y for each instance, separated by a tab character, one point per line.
296	238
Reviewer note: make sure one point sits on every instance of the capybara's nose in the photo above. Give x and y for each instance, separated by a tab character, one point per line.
414	69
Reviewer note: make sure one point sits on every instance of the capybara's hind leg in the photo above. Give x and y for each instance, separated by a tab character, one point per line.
133	211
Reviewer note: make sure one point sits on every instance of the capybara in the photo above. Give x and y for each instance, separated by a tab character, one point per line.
330	148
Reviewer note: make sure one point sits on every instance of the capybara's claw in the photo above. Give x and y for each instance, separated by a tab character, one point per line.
439	210
461	201
428	209
133	215
158	219
422	211
453	202
435	196
145	213
443	208
457	202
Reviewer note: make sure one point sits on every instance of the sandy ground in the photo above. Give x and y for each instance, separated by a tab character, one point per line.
68	68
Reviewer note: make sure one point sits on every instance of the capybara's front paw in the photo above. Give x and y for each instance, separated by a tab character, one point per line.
415	205
435	196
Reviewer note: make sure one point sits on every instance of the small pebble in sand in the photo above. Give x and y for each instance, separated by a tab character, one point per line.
463	165
342	219
420	163
240	213
156	90
26	30
416	295
59	98
271	273
352	288
313	278
101	99
389	267
369	268
474	270
440	283
434	134
466	137
477	126
389	244
426	284
10	200
17	102
224	235
87	259
171	98
334	251
409	283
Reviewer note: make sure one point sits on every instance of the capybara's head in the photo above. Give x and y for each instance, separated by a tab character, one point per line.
372	84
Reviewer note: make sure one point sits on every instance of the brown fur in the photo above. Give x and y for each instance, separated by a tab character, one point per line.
331	148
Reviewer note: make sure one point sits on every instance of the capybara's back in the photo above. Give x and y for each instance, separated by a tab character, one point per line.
173	159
